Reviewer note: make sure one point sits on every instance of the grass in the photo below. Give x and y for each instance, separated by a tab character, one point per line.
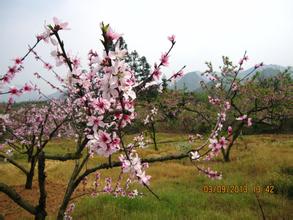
256	161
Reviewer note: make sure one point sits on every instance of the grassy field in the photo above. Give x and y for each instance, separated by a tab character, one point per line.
257	161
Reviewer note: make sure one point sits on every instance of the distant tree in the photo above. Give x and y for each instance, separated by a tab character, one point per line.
253	100
164	83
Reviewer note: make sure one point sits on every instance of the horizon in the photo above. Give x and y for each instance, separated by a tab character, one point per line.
204	30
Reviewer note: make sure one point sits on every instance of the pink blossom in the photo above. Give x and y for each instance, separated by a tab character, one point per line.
143	178
45	35
178	74
6	79
134	166
165	59
223	142
69	211
101	105
118	53
18	61
245	58
172	38
27	88
96	122
249	122
230	130
241	118
156	74
60	25
104	145
12	70
214	101
14	91
112	35
211	174
76	62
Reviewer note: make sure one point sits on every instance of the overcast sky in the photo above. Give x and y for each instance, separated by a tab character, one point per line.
205	29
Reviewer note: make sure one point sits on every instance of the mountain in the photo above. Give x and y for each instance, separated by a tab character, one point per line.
191	80
265	71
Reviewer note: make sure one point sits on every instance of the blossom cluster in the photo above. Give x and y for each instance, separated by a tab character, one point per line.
133	165
151	117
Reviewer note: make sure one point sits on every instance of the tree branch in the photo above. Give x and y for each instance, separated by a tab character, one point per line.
13	162
12	194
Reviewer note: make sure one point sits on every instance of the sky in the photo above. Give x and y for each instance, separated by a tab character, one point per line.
205	30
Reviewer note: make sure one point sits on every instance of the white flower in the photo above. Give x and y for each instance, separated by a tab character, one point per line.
194	155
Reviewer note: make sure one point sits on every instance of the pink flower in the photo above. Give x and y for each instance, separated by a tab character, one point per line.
223	142
178	74
76	62
60	25
143	178
12	70
213	143
6	79
18	61
156	74
241	118
164	59
96	122
172	38
210	173
102	144
112	35
241	61
27	88
101	104
14	91
104	137
230	130
249	122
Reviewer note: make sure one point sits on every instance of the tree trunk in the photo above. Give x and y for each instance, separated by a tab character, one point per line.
236	133
154	136
226	153
30	175
41	208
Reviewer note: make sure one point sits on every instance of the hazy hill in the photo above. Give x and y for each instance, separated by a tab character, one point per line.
266	71
191	80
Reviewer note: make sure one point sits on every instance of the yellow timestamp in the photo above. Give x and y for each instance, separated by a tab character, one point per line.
237	189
